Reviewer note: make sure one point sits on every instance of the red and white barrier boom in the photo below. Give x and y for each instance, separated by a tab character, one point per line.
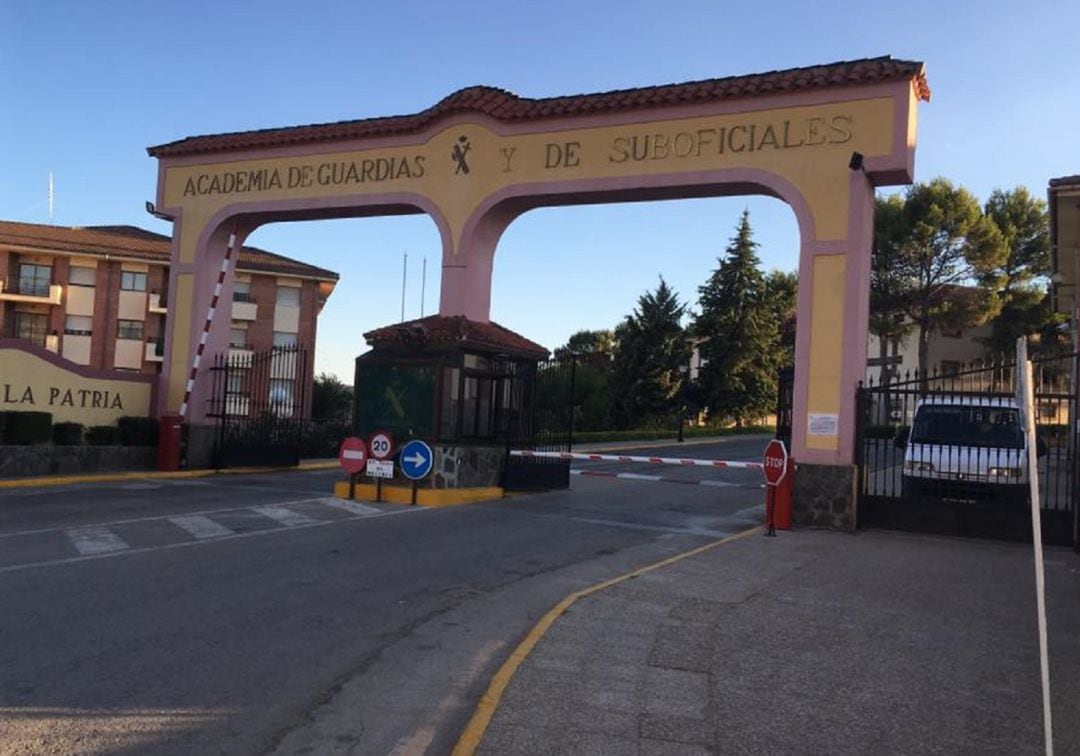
713	463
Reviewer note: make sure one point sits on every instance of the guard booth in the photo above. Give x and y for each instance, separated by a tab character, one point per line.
466	388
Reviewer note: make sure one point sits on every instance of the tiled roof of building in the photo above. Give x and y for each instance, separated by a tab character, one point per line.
1065	181
507	107
439	330
139	244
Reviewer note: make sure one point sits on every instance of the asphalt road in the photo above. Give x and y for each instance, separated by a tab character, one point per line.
254	614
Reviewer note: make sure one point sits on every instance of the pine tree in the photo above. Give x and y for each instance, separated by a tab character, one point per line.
890	281
739	335
1021	277
652	357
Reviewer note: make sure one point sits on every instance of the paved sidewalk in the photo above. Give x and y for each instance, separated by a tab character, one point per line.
810	643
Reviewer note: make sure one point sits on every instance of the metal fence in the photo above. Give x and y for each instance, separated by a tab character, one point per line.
946	452
785	404
259	400
545	423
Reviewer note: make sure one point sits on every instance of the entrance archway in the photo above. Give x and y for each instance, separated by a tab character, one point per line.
819	138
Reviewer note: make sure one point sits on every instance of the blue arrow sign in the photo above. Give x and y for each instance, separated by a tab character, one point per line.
416	459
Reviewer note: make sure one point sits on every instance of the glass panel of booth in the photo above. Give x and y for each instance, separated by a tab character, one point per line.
397	396
452	397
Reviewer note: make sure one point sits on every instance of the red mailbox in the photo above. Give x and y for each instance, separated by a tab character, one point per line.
170	434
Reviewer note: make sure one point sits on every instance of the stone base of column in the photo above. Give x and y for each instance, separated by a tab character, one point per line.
824	497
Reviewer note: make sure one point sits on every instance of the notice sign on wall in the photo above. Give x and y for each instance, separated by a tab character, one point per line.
823	424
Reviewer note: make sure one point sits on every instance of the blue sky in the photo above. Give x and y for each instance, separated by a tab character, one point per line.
86	87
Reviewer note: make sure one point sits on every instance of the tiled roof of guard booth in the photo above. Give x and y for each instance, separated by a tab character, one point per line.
446	330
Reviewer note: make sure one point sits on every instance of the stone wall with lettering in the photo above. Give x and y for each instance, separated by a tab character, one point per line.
33	379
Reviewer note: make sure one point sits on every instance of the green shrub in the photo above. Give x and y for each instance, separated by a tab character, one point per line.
67	434
102	435
138	431
879	431
27	427
323	439
588	437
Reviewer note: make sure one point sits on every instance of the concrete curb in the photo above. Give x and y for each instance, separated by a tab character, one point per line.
474	731
67	480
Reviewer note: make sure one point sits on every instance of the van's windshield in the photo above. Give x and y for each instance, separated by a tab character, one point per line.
967	425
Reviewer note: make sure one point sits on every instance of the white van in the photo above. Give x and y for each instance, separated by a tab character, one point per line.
966	448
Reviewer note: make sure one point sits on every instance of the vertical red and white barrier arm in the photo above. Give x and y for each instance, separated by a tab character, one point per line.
197	359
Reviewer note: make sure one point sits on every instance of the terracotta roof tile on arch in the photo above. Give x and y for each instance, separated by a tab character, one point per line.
444	330
507	107
139	244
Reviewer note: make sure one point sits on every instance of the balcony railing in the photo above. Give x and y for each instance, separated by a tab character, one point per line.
156	303
31	291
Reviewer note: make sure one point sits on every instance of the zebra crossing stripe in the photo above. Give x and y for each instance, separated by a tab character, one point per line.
200	526
351	506
284	515
95	540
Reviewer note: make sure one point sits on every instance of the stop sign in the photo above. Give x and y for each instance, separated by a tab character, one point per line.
775	467
353	455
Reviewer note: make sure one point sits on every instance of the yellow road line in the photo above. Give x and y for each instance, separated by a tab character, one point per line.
67	480
489	702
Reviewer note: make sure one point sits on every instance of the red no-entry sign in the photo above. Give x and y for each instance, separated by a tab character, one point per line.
353	455
775	462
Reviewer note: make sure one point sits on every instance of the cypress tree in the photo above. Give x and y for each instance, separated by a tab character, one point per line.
738	335
652	357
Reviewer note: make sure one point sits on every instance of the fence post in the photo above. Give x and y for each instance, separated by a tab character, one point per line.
573	379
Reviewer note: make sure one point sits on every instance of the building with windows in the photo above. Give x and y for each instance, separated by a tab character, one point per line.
1064	203
97	296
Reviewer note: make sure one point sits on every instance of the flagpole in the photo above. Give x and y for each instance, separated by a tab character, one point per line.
404	271
423	287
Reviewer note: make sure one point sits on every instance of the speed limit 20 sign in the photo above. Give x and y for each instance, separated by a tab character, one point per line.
381	445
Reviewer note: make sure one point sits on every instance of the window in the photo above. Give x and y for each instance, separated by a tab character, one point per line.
31	327
34	280
281	397
288	296
238	338
132	281
282	339
950	367
237	383
968	425
242	291
129	329
79	325
79	275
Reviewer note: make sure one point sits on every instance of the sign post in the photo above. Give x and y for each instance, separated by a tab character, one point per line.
381	445
352	456
775	468
416	462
